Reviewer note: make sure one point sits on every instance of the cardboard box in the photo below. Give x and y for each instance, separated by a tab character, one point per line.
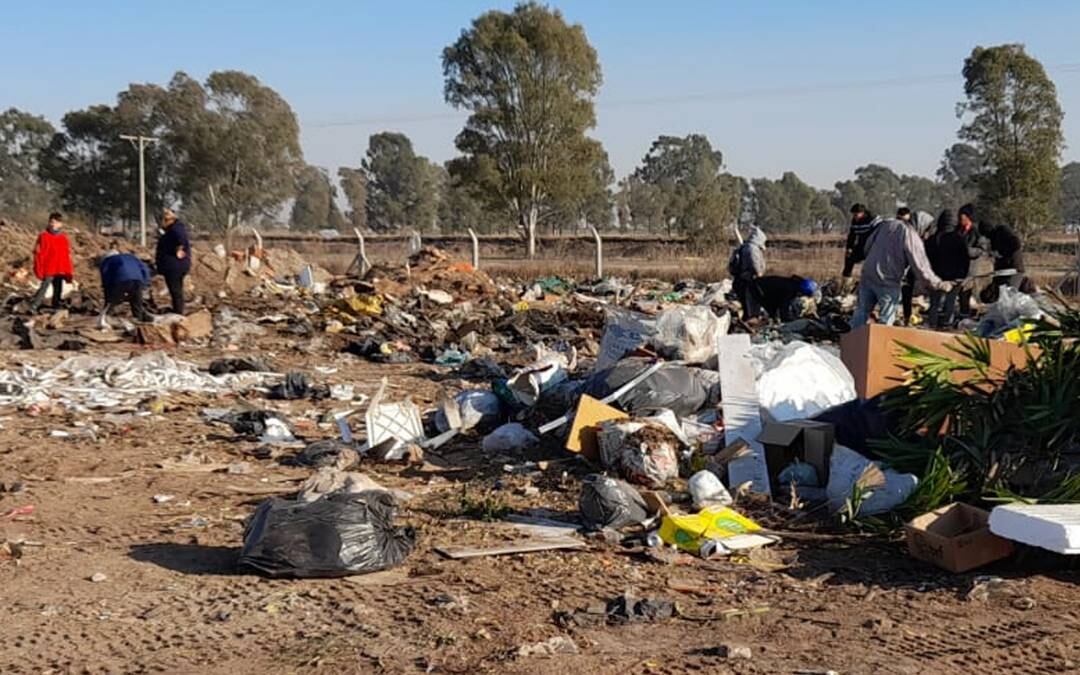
956	538
871	353
590	413
804	440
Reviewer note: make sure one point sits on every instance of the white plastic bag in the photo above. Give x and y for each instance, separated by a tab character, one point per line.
845	469
624	332
798	380
509	437
688	333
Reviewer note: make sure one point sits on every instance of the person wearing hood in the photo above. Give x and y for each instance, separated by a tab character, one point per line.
1008	253
52	262
863	224
173	257
893	247
947	251
965	221
746	265
123	279
922	222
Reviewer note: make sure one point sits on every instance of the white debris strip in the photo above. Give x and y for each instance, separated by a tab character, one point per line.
84	383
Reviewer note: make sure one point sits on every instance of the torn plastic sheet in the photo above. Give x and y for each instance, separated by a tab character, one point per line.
85	383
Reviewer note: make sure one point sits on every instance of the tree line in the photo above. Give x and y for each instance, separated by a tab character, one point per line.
228	152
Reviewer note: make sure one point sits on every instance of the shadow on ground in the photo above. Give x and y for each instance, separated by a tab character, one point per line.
188	558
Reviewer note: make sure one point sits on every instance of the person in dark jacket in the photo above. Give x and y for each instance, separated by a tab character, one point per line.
1008	252
863	224
965	219
779	295
124	278
173	258
947	251
746	265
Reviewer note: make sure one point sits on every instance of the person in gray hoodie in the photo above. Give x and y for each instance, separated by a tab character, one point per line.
746	265
890	251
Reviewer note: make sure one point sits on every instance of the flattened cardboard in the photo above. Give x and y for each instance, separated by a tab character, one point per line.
871	353
590	413
956	538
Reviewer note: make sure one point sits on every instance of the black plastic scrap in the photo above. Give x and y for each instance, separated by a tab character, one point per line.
610	502
243	364
296	386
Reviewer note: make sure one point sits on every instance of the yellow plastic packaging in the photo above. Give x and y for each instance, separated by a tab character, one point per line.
1019	335
713	522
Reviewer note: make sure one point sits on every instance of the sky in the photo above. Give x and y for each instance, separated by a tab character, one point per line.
818	88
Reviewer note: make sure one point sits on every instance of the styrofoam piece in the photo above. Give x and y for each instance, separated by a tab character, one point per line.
742	419
1055	527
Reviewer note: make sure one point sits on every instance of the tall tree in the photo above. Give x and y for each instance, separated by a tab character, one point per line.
402	191
640	205
23	137
528	80
1070	193
958	174
354	186
459	210
238	146
314	207
696	198
1013	119
86	162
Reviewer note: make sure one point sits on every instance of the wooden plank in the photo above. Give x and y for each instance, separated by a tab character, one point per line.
742	419
527	546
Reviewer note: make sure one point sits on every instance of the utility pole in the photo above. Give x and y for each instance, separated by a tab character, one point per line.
140	143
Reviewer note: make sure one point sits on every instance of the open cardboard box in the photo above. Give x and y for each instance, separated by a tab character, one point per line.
956	538
804	440
871	353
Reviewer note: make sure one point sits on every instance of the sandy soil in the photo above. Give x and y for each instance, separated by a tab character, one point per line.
173	601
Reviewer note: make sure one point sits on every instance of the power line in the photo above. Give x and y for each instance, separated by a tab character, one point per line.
704	97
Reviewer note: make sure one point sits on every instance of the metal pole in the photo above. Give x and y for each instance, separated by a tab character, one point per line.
475	250
142	193
361	256
599	253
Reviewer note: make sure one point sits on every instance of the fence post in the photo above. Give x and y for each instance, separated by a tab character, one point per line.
475	250
415	243
258	248
361	256
599	253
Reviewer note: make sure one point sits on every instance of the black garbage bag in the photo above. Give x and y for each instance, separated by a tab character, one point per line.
858	422
610	502
336	535
682	389
327	452
243	364
296	386
248	422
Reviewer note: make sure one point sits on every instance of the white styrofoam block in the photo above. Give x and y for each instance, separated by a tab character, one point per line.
1055	527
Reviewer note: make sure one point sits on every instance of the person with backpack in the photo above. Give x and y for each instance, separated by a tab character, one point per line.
780	296
746	265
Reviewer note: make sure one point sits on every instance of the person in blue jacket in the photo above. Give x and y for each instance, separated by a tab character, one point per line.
173	259
123	278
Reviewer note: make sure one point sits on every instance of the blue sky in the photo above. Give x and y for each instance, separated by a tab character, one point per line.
776	86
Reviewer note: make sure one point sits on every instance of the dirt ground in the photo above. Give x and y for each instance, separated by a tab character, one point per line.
173	601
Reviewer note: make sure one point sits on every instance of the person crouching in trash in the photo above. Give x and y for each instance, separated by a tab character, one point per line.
746	265
787	298
124	278
890	251
52	262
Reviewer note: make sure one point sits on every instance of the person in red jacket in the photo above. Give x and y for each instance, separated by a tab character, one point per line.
52	262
